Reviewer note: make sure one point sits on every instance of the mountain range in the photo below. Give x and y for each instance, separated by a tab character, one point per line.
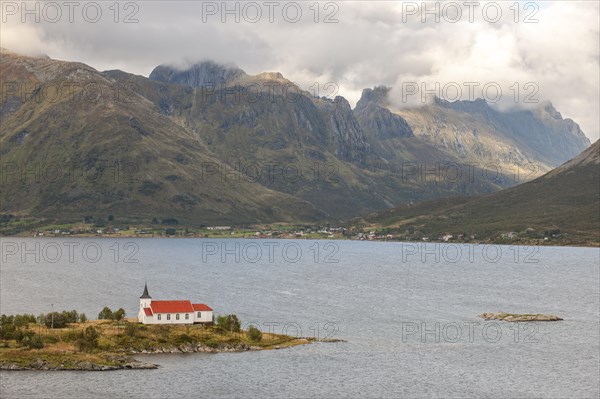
211	144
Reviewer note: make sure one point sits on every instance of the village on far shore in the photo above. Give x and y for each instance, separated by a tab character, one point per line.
171	228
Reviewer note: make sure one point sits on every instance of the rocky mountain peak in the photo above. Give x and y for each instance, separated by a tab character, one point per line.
203	74
376	119
477	105
549	109
275	76
378	95
347	135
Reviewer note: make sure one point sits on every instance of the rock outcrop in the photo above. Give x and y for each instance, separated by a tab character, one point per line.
519	317
226	347
43	365
346	134
375	119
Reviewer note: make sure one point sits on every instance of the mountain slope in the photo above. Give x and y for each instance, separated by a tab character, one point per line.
564	202
265	121
79	154
211	144
538	139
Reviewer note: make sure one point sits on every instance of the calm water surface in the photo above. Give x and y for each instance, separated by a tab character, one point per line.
409	315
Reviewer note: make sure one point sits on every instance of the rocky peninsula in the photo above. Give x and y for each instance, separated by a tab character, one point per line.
103	345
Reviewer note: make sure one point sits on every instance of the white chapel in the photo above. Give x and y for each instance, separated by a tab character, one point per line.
172	312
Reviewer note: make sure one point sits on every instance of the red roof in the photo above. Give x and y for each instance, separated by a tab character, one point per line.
171	306
201	307
148	311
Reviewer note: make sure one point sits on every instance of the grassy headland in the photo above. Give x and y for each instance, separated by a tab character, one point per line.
109	344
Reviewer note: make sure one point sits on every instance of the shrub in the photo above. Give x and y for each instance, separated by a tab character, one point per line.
119	314
71	316
18	335
58	320
229	323
7	331
55	320
33	342
183	339
50	339
70	336
107	314
6	320
254	333
131	329
88	339
18	321
22	320
23	336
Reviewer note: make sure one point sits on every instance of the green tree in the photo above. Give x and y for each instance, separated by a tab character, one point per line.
105	314
119	314
82	318
55	320
70	316
6	320
7	331
229	323
254	333
22	320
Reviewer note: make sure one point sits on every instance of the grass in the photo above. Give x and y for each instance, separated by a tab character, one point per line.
118	340
55	358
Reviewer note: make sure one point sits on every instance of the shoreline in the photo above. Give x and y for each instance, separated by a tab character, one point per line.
43	365
116	343
129	362
489	242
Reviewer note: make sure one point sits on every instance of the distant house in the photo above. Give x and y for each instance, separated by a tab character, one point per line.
446	237
172	312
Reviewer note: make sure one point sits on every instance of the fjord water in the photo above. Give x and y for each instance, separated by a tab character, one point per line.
408	312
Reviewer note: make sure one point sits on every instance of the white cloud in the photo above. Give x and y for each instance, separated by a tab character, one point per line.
373	43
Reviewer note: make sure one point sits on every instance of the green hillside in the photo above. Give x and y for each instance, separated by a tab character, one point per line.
563	206
213	145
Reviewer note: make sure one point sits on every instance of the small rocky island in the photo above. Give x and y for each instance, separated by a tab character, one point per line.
514	317
68	341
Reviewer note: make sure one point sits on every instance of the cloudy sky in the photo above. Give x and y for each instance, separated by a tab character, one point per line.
531	51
